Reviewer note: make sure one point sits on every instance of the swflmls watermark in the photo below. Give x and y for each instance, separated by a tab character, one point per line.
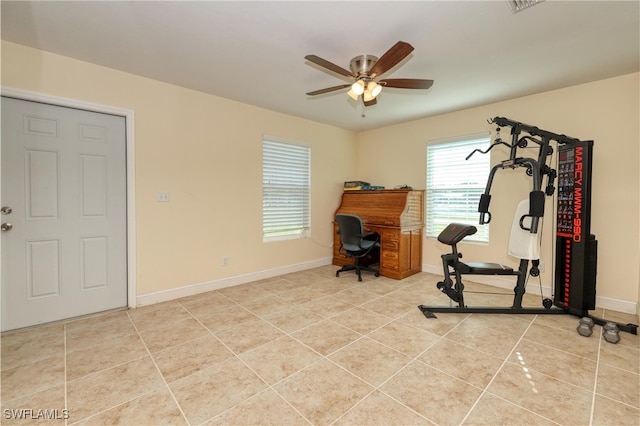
35	414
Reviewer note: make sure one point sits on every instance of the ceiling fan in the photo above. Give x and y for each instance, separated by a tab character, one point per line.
364	71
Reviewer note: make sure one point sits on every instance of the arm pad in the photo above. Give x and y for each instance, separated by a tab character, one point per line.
483	207
536	203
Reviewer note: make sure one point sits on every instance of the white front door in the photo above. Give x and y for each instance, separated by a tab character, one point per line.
63	211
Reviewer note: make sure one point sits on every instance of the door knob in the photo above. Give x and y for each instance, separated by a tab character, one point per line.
5	210
6	226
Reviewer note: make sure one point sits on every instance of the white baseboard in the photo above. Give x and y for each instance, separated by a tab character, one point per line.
626	306
190	290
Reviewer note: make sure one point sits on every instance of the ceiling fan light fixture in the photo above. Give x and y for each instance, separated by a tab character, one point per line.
358	87
353	95
367	96
374	88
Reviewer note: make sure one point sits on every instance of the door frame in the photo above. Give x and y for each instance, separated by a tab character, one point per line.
130	167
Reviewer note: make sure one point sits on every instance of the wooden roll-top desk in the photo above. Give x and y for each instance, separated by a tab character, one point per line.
398	216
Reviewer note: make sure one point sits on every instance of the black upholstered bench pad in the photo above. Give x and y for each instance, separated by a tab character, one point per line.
486	268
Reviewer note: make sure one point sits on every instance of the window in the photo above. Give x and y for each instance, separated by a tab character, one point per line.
286	188
454	185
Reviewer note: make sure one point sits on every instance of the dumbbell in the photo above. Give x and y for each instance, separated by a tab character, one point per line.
585	326
611	332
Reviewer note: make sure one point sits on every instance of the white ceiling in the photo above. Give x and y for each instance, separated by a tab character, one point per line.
477	52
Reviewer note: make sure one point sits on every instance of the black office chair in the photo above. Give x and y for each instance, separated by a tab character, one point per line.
355	243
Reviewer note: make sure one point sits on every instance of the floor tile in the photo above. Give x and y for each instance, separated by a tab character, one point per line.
619	385
607	412
279	359
356	296
154	408
326	337
31	346
361	320
301	295
543	394
404	338
207	393
307	348
577	370
185	359
323	392
564	340
388	307
157	316
384	286
249	335
104	355
465	363
219	319
379	409
207	304
441	325
440	398
489	333
293	318
173	333
98	330
244	293
52	399
32	378
620	356
269	304
370	360
491	410
266	408
328	306
98	392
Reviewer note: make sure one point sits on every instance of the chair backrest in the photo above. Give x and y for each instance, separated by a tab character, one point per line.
522	243
351	231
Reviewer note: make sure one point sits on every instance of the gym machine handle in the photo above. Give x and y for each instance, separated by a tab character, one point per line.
483	209
497	142
536	196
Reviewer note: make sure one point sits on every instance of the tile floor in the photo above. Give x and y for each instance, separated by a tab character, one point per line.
309	348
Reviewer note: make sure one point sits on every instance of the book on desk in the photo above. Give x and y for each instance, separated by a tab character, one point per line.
398	216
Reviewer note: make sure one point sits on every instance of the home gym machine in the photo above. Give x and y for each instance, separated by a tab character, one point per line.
576	247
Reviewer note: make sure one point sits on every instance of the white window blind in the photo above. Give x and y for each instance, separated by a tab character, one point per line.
454	185
286	188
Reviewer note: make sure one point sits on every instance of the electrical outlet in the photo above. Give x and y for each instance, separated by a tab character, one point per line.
225	260
163	196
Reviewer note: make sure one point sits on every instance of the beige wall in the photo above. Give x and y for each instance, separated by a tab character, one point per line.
206	151
606	112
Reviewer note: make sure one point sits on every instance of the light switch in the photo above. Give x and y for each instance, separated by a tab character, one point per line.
163	196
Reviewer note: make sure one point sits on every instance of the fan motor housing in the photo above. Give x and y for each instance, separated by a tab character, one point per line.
362	64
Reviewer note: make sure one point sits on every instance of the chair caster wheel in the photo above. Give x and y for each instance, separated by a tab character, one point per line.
547	303
377	274
337	274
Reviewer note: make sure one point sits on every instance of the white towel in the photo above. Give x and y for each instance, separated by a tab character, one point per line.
522	243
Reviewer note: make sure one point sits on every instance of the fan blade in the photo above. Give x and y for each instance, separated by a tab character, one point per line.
328	65
391	58
369	103
406	83
328	89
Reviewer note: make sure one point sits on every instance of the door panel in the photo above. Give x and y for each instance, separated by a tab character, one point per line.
64	177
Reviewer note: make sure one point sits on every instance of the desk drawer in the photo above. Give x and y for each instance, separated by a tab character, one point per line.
389	260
